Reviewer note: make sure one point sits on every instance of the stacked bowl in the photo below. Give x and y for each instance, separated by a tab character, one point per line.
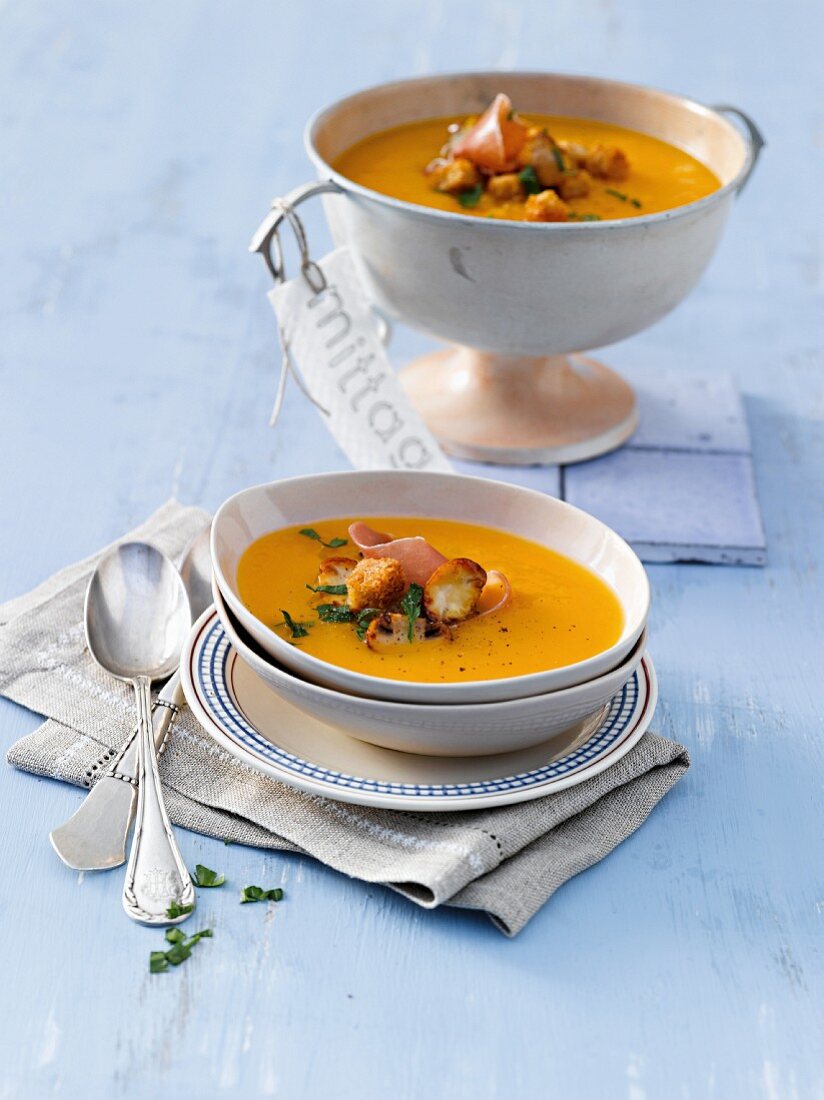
469	718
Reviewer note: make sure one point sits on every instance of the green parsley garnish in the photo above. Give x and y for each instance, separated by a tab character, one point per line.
203	876
332	544
257	893
364	618
623	196
178	953
411	604
176	910
334	613
559	158
158	962
203	934
529	180
329	589
583	217
297	630
181	949
471	197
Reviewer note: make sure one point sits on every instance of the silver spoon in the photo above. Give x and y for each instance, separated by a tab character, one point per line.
94	837
137	619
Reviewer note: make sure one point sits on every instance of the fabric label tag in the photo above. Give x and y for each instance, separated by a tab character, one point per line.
332	339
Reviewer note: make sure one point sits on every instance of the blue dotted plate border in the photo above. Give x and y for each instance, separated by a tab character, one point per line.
210	673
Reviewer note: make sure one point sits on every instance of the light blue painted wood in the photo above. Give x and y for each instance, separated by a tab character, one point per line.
682	489
674	505
139	145
544	479
689	412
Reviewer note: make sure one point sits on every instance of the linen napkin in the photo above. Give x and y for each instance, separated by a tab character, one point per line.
506	861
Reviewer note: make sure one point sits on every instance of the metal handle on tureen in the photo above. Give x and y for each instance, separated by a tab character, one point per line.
266	237
266	242
757	139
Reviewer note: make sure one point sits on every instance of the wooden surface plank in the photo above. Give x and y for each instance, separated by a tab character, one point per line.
139	146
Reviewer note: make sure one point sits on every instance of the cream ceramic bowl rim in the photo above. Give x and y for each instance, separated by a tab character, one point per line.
445	710
501	224
239	608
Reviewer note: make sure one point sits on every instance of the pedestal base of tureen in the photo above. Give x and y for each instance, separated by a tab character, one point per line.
521	410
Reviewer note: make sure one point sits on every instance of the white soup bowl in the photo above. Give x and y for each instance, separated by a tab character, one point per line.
254	512
451	729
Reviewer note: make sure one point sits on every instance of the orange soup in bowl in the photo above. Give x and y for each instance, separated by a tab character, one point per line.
539	168
427	600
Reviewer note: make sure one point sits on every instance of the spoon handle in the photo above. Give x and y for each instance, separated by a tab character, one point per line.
156	876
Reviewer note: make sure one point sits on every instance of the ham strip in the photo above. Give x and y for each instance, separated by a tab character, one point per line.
495	594
418	559
495	140
365	536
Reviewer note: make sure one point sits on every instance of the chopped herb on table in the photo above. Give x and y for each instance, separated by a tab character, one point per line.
471	197
158	962
203	876
257	893
311	533
177	910
181	949
328	589
411	604
297	630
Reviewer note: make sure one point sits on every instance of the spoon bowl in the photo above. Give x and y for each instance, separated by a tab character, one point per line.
137	613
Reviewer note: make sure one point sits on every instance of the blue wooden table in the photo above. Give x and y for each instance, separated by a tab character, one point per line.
139	144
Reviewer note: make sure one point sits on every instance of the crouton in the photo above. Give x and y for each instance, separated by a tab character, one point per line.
453	590
458	175
392	629
335	570
575	184
542	154
546	207
375	582
505	187
607	162
574	152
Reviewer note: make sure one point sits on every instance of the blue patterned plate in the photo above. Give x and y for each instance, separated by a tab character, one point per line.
248	719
